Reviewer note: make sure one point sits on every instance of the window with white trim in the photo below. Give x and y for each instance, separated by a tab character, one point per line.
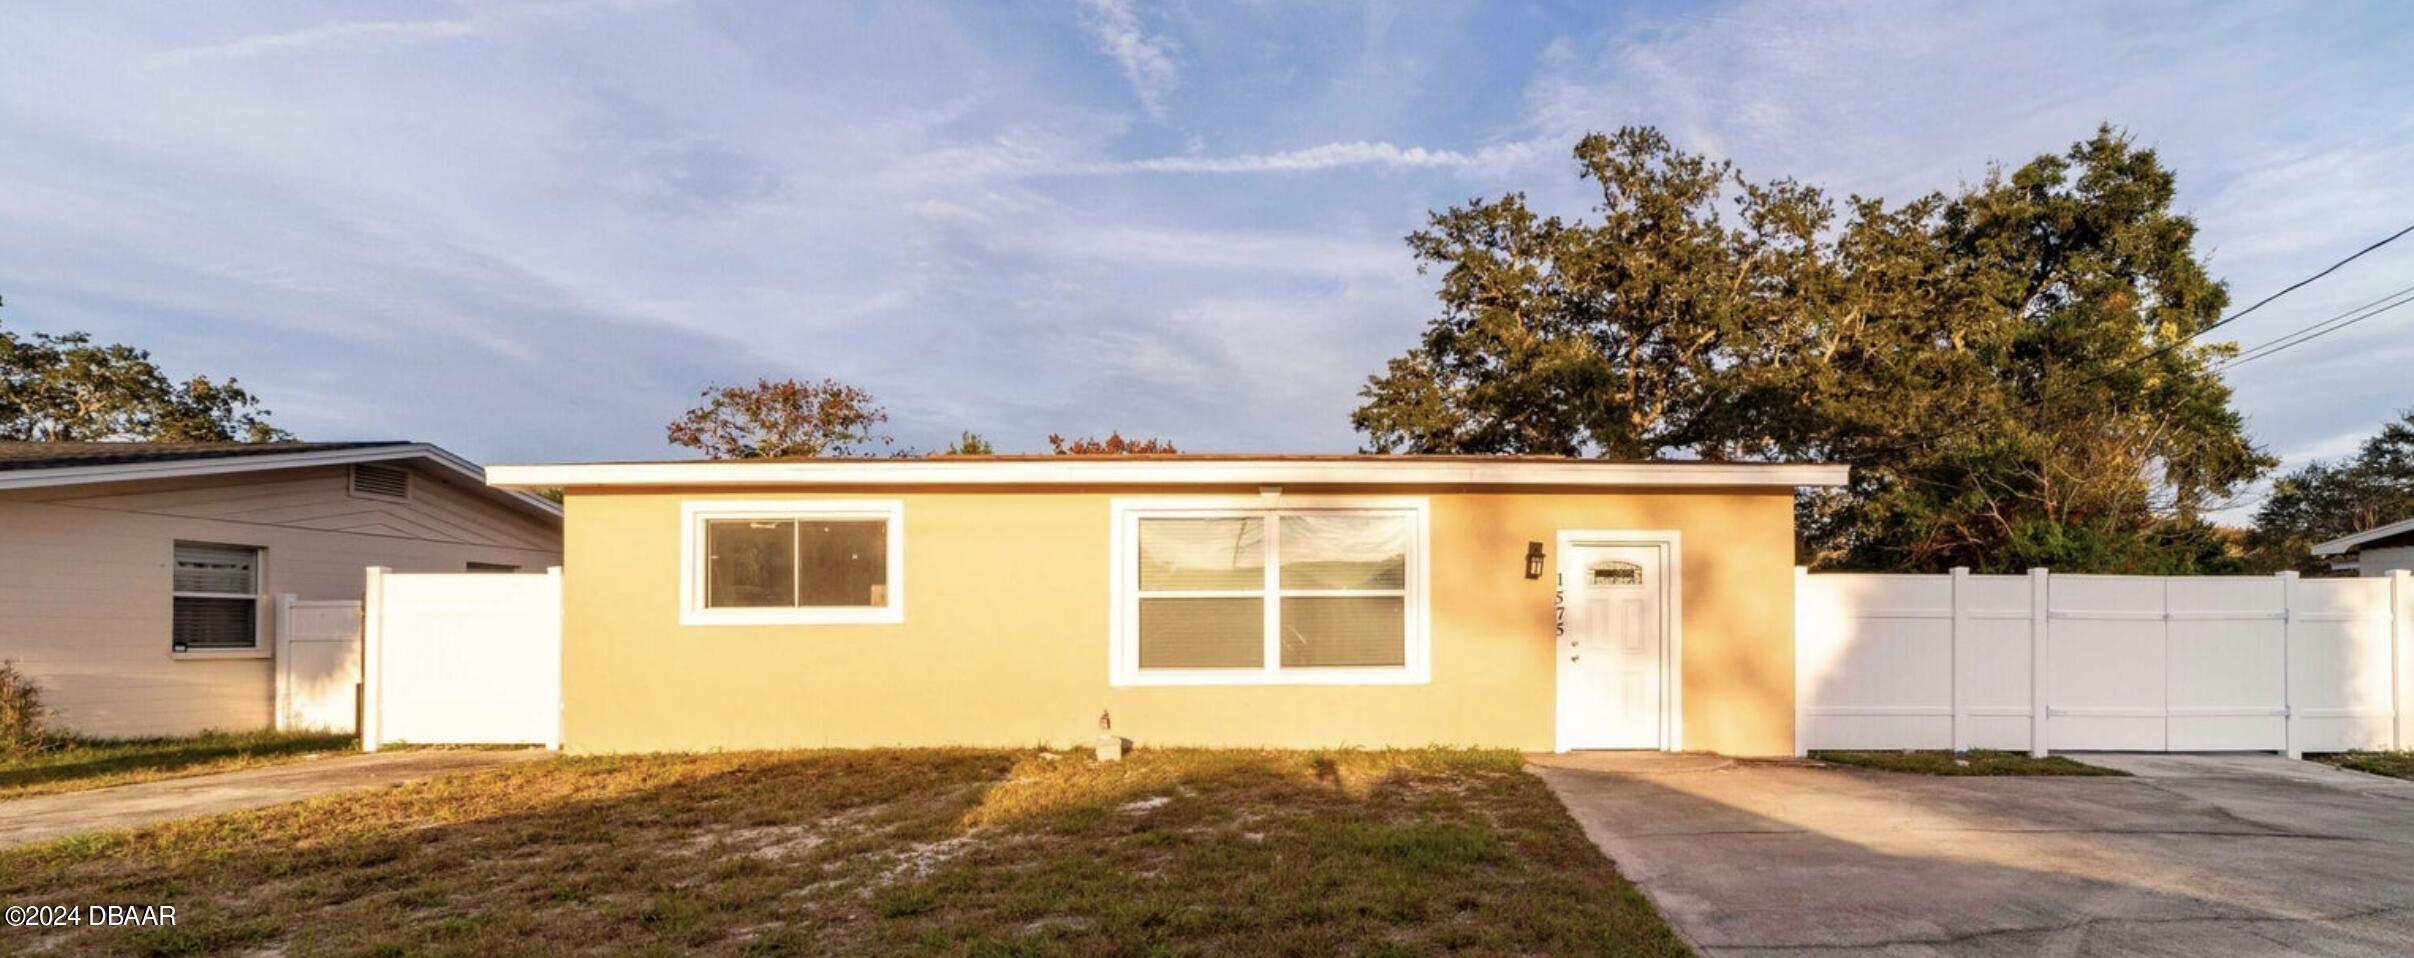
792	562
216	592
1223	594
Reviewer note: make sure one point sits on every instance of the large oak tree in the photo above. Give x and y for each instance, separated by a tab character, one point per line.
2010	367
64	387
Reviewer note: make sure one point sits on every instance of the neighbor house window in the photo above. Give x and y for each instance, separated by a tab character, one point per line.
217	598
1241	592
769	563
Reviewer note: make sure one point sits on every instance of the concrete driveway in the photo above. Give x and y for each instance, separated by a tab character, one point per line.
45	817
2196	855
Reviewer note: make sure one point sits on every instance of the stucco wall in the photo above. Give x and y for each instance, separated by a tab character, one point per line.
1006	633
85	599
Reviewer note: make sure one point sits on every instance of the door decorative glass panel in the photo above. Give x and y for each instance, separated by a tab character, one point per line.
1615	573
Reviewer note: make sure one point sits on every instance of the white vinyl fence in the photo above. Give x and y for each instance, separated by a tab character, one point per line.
462	658
2103	663
318	665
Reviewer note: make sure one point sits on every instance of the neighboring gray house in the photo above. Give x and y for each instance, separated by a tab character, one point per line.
2373	552
138	581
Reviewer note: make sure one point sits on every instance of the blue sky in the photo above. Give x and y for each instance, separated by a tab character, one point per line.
533	231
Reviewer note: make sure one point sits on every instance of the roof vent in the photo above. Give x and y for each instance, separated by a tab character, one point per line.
381	482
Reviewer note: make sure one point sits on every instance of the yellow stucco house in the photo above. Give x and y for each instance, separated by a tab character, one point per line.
1283	601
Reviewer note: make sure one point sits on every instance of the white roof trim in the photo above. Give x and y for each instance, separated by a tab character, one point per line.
40	477
2345	543
1181	472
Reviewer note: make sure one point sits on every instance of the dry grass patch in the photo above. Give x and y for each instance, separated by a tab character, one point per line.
75	764
2397	764
1976	761
874	853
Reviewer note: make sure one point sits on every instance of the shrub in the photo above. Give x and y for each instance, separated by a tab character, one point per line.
21	712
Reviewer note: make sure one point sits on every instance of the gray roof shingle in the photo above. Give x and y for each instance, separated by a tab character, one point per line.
59	455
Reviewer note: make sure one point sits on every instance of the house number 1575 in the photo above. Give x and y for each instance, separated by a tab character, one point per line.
1559	606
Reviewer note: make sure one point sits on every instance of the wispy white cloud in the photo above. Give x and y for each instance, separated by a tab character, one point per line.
1027	153
551	234
1251	252
1147	60
353	35
337	35
1333	156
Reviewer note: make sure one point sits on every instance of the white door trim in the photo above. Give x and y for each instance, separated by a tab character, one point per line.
1672	624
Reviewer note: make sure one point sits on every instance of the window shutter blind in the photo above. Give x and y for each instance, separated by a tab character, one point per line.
225	570
1202	633
216	623
1350	631
217	602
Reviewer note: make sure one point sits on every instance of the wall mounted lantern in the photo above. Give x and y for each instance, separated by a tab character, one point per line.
1533	560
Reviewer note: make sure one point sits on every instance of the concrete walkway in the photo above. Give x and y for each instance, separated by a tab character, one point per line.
43	818
2197	855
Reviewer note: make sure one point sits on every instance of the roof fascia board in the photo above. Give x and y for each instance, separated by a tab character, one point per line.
1162	472
2344	543
39	478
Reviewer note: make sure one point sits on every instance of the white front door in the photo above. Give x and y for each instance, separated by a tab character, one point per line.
1612	645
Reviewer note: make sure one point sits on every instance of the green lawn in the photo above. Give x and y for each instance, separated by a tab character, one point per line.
95	763
2398	764
944	852
1973	762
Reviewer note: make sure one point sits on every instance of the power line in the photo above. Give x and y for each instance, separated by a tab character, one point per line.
2319	330
2292	287
2040	401
2174	345
2384	304
2349	314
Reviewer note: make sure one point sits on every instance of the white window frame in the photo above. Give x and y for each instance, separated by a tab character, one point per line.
259	647
1123	651
693	567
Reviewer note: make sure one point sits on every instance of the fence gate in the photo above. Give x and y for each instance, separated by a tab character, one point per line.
2104	663
2149	664
318	665
462	658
